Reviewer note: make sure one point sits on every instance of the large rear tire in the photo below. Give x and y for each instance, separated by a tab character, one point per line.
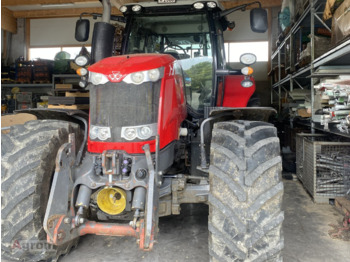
27	168
245	217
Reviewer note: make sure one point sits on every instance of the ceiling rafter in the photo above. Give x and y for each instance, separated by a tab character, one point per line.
46	13
41	2
264	3
72	12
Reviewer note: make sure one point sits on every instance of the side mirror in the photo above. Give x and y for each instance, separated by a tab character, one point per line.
258	20
82	30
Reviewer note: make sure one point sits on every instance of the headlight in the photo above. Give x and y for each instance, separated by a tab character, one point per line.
97	78
198	5
141	132
154	74
129	133
136	8
100	132
123	9
82	60
82	83
247	83
247	59
93	132
144	132
211	4
138	78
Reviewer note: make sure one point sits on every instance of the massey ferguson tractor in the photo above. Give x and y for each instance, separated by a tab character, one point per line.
169	123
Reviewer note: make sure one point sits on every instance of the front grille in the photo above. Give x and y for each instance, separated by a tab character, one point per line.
119	104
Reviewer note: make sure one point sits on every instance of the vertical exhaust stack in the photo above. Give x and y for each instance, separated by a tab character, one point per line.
103	36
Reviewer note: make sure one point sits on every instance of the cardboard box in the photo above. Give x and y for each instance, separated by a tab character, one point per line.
341	23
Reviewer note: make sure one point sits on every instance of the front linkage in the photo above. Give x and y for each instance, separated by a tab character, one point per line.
65	217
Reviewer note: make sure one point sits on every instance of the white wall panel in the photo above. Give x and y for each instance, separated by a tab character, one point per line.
55	32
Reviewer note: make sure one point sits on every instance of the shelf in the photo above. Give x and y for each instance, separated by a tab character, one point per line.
301	72
332	129
26	85
71	90
340	55
321	75
317	126
282	82
67	75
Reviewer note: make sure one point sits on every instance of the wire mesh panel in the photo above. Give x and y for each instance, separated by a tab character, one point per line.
300	152
325	169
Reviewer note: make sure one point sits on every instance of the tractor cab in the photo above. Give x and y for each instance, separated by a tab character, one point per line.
192	33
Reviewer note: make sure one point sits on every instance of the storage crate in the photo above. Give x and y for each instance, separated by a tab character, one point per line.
323	167
42	71
24	72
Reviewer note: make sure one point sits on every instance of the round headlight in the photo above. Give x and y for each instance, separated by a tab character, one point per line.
136	8
198	5
82	83
130	133
247	59
154	74
104	133
123	9
211	4
145	132
247	83
97	78
81	60
137	77
94	132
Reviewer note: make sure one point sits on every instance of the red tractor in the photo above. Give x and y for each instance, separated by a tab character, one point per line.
169	123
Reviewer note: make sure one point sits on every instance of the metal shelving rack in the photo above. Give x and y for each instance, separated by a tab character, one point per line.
306	77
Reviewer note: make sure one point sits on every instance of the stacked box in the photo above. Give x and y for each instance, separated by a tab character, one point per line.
24	71
42	70
341	23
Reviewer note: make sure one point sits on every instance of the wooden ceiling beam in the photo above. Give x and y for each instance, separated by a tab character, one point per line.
8	21
264	3
52	13
40	2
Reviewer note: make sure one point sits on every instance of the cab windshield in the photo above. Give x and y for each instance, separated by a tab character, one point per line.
187	39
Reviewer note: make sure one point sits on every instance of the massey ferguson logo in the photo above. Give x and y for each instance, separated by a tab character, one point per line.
115	76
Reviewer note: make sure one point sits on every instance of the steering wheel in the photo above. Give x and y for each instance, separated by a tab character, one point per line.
168	46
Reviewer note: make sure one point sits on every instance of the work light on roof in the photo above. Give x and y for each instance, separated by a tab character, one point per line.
136	8
123	9
198	5
211	4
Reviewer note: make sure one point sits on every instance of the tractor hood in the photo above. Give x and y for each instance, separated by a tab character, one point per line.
117	67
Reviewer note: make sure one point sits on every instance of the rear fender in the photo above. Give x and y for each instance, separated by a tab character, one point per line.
235	95
243	113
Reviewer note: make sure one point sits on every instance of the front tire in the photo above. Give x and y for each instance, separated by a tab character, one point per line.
245	217
27	168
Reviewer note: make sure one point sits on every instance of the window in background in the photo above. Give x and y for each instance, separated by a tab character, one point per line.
43	53
50	52
235	50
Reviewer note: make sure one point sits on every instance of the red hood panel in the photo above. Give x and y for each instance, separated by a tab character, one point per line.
117	67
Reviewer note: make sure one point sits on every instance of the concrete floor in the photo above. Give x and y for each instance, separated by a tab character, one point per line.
185	237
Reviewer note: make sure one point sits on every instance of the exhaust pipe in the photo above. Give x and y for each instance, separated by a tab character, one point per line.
103	35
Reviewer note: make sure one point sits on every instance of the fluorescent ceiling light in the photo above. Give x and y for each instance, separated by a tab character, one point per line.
57	5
